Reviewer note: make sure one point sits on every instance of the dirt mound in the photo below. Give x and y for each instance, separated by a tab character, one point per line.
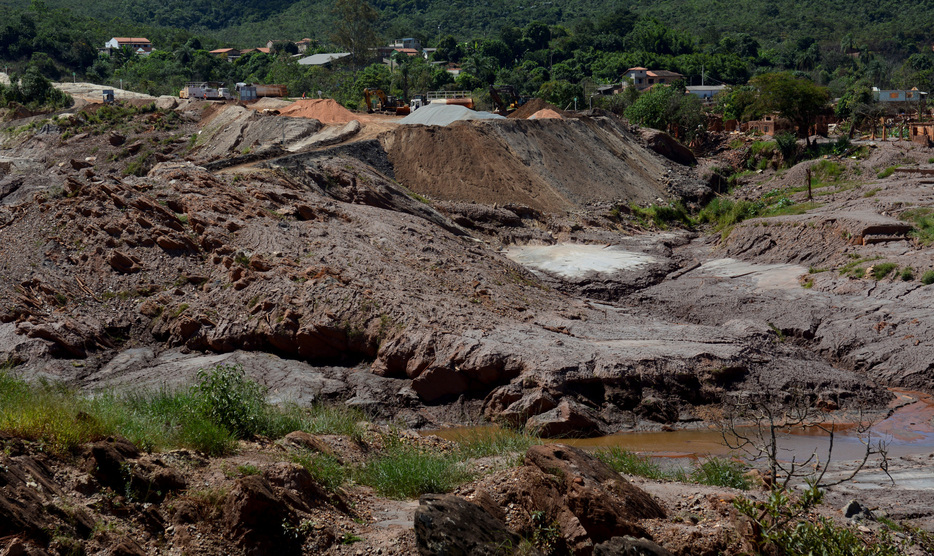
531	107
546	114
537	163
325	110
446	114
270	103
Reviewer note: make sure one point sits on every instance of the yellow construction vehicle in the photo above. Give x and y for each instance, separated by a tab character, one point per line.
378	101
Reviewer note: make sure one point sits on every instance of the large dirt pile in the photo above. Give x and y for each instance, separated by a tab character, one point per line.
550	165
235	130
325	110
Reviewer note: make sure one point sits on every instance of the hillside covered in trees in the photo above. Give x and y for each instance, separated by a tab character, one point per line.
557	49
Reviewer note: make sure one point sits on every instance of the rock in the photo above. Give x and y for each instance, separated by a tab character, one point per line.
79	164
300	488
605	503
658	410
116	139
254	514
447	524
532	403
569	418
629	546
436	383
668	146
855	510
123	263
17	547
125	547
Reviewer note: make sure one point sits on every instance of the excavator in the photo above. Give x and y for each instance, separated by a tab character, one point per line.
512	100
377	101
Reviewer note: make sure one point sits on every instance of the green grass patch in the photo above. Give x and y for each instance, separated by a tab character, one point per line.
405	472
907	274
886	172
325	469
712	471
854	268
662	215
631	463
827	170
209	416
494	441
720	472
881	270
872	192
928	278
923	220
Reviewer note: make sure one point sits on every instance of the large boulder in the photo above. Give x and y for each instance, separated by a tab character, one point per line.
668	146
446	524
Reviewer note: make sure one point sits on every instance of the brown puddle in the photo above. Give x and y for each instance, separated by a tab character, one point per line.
909	430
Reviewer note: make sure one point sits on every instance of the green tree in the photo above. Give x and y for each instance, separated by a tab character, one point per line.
561	93
355	30
796	99
668	108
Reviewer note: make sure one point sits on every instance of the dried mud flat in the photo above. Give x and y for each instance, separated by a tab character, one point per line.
327	276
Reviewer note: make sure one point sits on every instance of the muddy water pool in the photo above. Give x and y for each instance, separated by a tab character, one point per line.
909	430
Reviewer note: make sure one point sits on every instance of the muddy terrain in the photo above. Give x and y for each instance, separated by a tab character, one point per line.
486	271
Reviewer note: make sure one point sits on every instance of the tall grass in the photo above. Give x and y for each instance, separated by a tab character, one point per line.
494	441
408	472
223	405
712	471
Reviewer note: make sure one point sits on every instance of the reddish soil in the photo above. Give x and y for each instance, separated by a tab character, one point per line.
531	107
546	114
326	111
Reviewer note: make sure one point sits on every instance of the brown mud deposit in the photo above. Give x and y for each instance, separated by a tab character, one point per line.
328	275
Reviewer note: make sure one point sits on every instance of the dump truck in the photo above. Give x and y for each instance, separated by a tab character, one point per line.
253	91
207	90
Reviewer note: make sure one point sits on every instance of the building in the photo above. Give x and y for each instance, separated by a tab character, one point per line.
303	45
644	78
770	124
898	95
322	59
230	53
139	45
922	133
705	92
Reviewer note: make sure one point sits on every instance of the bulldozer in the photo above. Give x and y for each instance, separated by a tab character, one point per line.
378	101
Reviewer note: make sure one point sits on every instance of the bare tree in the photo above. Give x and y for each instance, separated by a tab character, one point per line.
753	424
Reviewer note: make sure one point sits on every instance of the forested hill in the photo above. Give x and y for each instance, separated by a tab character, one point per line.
891	26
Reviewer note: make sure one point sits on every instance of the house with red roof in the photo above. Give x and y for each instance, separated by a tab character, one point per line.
139	45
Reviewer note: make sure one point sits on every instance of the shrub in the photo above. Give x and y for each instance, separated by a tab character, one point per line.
928	278
232	401
783	525
907	274
787	145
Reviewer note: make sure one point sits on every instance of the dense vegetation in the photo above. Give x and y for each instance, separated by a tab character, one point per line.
560	50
